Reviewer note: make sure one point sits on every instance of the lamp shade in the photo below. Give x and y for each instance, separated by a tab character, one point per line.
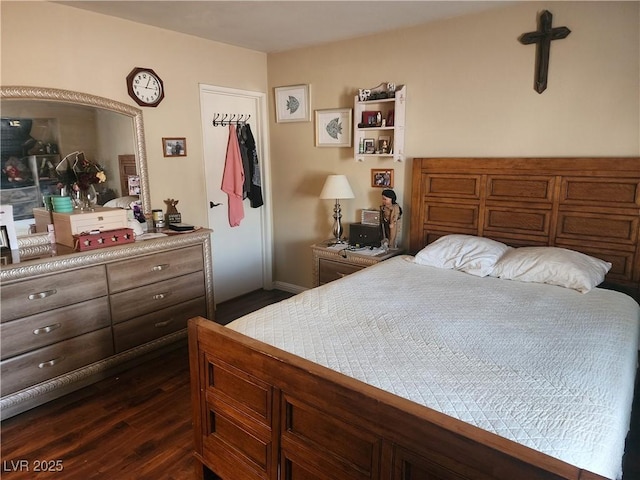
335	187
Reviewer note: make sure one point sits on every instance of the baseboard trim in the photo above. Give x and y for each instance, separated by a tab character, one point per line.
288	287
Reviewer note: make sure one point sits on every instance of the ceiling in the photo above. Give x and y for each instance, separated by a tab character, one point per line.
275	26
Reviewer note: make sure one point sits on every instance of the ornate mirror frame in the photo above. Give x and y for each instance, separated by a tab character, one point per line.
77	98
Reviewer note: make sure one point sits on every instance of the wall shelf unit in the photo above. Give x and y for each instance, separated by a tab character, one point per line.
369	116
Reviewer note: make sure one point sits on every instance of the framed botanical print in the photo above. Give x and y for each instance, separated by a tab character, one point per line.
292	104
333	127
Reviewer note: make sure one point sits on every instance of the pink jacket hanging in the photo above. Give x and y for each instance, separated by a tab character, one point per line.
233	178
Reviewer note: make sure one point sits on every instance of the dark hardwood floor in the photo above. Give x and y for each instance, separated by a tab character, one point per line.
137	425
134	425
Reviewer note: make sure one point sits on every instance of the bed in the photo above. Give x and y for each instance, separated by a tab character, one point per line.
411	370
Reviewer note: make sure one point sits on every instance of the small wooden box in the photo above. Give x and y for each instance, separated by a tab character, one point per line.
43	219
108	238
75	223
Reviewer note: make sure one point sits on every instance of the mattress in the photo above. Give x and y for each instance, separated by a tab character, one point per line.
545	366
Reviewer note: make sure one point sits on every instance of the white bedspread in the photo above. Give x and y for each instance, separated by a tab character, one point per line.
543	365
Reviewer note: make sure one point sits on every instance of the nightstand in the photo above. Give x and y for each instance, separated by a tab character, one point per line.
333	262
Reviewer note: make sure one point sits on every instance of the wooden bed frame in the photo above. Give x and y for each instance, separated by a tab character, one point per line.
262	413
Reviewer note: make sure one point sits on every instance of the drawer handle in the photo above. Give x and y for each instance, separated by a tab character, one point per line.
163	324
45	294
160	296
159	268
47	329
50	363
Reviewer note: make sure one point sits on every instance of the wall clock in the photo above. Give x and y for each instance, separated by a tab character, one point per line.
145	87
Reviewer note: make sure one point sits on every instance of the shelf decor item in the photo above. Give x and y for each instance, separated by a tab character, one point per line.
336	187
333	127
292	104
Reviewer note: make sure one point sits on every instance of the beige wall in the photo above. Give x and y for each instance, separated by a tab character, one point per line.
469	87
51	45
470	93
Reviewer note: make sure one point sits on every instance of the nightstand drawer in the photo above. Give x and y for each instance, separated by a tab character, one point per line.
330	270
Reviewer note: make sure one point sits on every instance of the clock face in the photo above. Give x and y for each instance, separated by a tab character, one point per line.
145	87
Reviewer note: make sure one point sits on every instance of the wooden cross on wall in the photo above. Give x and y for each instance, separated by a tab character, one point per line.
542	38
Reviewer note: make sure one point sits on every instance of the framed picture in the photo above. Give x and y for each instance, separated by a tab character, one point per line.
384	144
133	182
4	238
333	127
8	226
174	147
371	119
369	145
390	118
382	178
292	104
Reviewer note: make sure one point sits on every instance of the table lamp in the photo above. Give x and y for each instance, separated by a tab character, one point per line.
337	187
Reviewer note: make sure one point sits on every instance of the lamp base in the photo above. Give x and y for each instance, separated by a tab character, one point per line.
336	241
337	225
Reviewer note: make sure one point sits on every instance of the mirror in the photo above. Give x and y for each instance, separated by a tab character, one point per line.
64	121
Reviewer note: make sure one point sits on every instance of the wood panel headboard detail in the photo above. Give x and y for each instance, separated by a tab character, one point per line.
591	205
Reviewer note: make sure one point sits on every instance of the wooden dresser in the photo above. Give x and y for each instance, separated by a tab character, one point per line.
70	320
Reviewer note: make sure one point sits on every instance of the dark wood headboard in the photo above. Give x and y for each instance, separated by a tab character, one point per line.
591	205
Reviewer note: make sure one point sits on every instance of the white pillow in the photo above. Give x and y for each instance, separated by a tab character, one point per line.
552	265
467	253
122	202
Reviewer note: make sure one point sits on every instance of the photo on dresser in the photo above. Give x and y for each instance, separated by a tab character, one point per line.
4	239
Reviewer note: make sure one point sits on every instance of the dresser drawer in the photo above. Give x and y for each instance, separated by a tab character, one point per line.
54	326
329	270
157	296
40	294
48	362
153	268
146	328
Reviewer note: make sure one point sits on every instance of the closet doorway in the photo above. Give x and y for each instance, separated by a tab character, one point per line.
241	255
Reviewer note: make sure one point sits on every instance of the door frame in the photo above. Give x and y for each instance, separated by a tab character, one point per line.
262	127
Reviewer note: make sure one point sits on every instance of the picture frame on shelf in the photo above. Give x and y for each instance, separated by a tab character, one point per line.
369	145
382	177
390	120
370	119
292	103
384	144
174	146
333	127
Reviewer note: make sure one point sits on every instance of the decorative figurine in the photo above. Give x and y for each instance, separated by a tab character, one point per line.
390	216
172	215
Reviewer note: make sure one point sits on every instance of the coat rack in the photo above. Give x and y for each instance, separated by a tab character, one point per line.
230	118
